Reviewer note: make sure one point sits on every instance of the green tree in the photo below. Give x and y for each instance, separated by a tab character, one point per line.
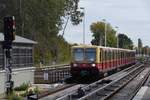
41	20
98	30
125	42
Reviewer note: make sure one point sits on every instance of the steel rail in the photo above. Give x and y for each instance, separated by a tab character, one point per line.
95	84
140	85
114	86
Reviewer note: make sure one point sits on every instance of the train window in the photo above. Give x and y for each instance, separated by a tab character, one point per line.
113	55
103	55
117	54
100	55
78	54
106	55
109	55
90	54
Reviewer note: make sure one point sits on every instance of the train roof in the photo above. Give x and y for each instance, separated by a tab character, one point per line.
108	48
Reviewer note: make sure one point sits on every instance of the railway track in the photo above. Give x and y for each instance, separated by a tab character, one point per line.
85	86
130	90
106	87
53	95
110	89
55	90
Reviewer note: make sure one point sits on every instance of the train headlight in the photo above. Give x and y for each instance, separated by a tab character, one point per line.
75	65
93	65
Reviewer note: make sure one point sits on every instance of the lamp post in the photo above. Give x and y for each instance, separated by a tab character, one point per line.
117	45
105	31
117	37
83	24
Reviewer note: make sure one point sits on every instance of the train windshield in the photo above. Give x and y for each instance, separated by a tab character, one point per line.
78	54
90	54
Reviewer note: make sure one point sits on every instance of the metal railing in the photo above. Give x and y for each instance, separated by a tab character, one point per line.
51	74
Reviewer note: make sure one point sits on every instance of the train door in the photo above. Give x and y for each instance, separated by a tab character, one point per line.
120	57
117	58
108	59
100	59
123	57
113	58
111	64
103	59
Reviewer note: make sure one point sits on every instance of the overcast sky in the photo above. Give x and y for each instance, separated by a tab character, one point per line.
131	16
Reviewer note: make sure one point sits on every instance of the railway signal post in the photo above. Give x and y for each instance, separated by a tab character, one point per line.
9	36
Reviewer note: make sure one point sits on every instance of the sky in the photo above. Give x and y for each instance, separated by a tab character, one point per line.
131	16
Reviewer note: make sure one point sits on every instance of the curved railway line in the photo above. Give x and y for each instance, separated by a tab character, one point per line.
105	88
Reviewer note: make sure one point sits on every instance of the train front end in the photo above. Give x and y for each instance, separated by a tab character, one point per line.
84	62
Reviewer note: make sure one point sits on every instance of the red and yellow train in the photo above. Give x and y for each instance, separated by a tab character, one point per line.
94	61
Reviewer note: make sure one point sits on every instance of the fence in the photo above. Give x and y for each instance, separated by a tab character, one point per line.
51	74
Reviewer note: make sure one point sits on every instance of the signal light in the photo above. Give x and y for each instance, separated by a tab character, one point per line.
9	28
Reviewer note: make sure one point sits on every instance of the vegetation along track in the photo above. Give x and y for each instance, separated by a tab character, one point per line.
93	88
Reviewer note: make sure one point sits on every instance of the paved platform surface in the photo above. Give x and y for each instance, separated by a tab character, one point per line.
143	94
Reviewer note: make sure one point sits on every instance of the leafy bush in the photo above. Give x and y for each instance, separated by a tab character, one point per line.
22	87
36	90
14	97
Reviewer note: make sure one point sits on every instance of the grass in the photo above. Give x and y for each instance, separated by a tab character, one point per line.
14	97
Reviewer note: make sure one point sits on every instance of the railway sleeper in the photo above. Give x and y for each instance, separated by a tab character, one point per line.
101	94
87	89
112	88
109	89
95	85
106	81
98	83
105	91
115	86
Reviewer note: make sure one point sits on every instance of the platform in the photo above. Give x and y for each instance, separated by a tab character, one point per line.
143	94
